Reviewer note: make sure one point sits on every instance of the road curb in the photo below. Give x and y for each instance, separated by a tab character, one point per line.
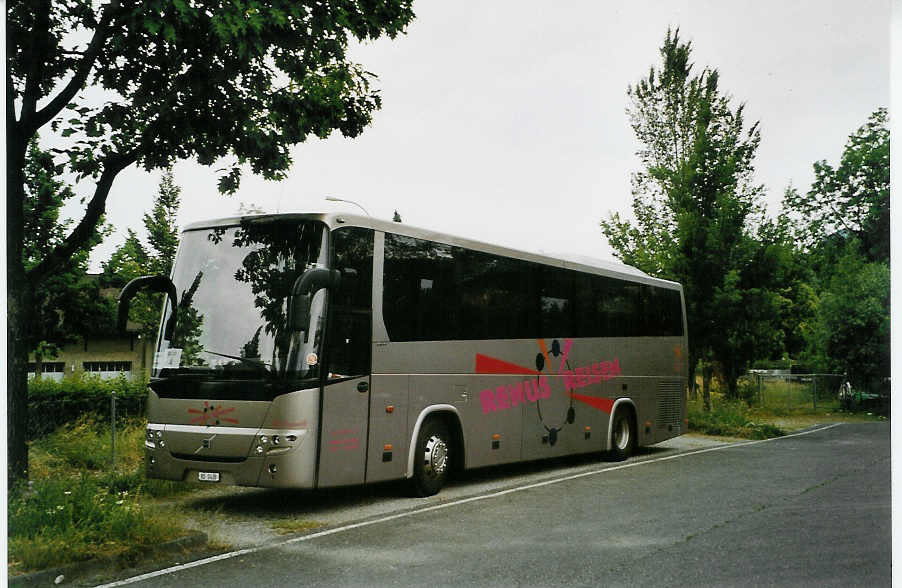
69	572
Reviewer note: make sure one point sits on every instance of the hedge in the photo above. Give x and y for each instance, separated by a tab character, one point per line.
53	403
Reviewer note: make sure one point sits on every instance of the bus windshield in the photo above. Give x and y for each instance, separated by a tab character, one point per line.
233	285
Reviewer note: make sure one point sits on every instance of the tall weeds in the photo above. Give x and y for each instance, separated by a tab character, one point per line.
78	506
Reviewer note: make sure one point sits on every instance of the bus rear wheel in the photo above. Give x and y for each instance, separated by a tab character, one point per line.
432	459
623	435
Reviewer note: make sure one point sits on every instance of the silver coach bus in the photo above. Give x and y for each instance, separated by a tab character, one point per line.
322	350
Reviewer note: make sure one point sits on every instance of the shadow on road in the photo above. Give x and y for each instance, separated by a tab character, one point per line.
266	502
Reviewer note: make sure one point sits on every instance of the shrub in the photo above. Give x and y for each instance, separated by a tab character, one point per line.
79	507
79	445
84	447
52	522
746	390
730	419
52	404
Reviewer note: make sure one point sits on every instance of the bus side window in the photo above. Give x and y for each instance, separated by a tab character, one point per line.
555	291
420	298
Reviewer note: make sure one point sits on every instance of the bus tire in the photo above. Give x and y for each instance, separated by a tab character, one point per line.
623	434
432	459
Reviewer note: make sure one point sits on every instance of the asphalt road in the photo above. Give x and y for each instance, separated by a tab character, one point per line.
807	510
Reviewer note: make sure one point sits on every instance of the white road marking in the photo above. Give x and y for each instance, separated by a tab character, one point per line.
385	519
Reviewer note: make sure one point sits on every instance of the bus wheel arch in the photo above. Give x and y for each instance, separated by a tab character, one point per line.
436	449
622	438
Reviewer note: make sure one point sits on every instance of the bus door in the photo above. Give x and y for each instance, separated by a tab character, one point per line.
345	405
343	432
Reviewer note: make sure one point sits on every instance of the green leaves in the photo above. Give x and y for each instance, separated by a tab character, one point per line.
133	259
841	225
852	333
152	25
229	183
66	304
696	209
852	199
208	78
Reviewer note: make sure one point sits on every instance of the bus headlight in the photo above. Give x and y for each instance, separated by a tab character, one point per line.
272	444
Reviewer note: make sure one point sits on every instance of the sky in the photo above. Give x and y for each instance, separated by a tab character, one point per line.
506	121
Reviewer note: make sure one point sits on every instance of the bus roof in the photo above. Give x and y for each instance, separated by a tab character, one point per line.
566	260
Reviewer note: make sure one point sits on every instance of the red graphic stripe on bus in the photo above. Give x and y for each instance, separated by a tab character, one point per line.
603	404
567	344
545	354
212	414
492	365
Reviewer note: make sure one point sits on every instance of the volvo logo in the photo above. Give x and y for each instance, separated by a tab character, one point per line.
205	444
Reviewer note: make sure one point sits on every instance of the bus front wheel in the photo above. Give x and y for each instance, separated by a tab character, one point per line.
432	459
623	435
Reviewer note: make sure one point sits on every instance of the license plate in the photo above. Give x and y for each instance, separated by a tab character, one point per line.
208	476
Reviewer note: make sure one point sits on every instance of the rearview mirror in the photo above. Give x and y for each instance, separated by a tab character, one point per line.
154	284
302	295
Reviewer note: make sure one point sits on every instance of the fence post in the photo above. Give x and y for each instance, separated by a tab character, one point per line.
113	428
814	383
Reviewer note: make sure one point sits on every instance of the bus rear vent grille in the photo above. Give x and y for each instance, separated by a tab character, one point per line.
669	405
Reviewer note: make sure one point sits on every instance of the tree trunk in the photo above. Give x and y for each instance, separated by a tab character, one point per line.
732	387
38	361
693	388
731	375
17	319
707	374
18	310
16	384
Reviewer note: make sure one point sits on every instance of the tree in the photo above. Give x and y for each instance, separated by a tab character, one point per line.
697	212
842	227
852	333
162	230
212	79
851	200
133	258
127	262
66	304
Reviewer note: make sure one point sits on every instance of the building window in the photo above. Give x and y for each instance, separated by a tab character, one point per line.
107	366
48	367
50	370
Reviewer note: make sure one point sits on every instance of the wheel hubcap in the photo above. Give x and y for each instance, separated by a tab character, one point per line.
622	434
435	457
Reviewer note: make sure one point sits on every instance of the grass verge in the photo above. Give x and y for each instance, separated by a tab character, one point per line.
737	419
730	419
77	507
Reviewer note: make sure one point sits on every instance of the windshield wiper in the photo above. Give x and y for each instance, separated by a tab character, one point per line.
251	361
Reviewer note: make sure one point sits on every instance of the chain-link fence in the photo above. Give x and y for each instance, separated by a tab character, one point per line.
828	392
103	415
45	413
